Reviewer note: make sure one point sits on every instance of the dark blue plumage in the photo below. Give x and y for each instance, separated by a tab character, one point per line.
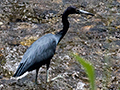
37	53
42	50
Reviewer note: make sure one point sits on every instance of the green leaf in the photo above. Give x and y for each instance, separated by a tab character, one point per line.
89	69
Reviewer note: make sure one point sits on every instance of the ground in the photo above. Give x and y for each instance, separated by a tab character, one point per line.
96	39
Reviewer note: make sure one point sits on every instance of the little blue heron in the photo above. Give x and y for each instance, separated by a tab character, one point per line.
42	50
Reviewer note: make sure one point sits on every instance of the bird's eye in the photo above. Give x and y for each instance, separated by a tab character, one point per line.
77	11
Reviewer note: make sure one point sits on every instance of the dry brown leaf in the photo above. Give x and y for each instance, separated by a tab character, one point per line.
27	41
57	1
118	27
86	28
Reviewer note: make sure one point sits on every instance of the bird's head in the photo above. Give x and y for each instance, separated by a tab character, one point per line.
74	10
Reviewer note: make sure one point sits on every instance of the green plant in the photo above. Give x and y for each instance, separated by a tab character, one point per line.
89	69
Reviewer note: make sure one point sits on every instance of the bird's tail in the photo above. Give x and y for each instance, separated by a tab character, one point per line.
19	71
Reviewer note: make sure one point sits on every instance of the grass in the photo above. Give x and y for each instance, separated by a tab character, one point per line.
89	69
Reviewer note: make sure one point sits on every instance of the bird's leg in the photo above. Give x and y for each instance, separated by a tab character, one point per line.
47	70
36	75
58	76
47	76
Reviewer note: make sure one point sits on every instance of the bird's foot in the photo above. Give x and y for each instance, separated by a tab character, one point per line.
48	80
59	76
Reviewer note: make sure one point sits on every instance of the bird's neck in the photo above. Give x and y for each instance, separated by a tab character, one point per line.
65	22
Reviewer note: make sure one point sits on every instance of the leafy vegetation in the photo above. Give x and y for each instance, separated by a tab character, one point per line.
89	69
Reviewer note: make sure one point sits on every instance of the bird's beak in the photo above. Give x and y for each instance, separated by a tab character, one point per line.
84	12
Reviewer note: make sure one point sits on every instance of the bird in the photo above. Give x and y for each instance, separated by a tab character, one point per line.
42	50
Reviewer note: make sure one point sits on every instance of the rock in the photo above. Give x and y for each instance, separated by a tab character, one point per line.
118	55
80	86
1	77
29	19
3	27
35	20
1	23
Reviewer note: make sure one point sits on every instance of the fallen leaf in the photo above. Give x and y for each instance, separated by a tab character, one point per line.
118	27
86	28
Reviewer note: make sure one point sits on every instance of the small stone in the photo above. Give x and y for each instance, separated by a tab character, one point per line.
29	19
118	55
0	15
1	77
3	27
35	20
1	23
80	86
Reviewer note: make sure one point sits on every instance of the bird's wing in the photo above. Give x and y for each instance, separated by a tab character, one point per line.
37	54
